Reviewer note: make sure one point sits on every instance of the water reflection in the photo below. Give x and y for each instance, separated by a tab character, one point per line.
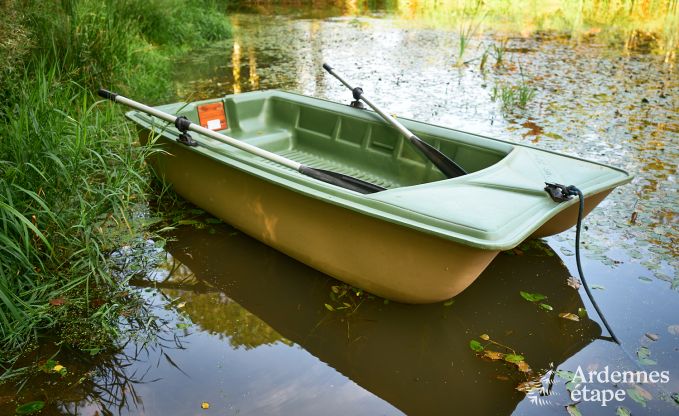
415	357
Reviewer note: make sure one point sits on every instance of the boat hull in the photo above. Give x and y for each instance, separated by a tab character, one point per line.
384	258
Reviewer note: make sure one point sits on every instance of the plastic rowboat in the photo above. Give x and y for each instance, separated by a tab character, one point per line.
422	239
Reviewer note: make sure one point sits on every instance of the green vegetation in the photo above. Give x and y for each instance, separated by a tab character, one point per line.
652	24
72	175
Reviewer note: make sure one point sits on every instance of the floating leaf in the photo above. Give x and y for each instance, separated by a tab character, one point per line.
565	375
532	297
181	305
514	358
639	394
573	282
485	337
644	354
329	307
546	307
636	396
205	405
623	411
569	316
529	386
449	302
652	336
30	407
573	410
493	355
673	329
582	313
523	366
475	345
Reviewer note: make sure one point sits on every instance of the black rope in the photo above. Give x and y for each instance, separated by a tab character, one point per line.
575	191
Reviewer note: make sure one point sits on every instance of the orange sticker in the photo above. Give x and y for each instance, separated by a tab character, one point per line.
212	116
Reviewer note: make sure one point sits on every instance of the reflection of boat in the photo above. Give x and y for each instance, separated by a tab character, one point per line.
423	239
417	357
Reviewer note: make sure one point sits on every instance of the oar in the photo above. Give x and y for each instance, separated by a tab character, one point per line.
184	124
441	161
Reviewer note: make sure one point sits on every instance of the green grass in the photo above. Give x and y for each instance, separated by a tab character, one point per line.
72	174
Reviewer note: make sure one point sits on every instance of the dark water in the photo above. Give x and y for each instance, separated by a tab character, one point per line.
247	329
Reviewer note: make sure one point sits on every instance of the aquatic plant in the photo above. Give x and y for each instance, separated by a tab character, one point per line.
470	21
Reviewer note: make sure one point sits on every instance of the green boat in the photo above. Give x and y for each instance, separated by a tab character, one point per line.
413	235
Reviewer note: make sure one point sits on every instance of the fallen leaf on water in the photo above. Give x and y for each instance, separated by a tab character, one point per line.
532	297
673	329
205	405
546	307
475	345
623	411
644	354
569	316
523	367
30	407
639	395
573	410
485	337
573	282
652	336
493	355
514	358
528	386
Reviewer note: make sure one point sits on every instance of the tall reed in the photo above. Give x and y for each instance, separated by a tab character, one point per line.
71	172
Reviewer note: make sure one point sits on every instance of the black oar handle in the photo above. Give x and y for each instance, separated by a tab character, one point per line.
107	94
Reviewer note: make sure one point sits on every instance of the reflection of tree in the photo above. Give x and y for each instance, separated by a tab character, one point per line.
216	313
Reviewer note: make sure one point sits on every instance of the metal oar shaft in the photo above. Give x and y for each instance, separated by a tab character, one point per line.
441	161
202	130
334	178
400	127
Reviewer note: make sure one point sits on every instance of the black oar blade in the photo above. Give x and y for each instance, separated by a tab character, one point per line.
441	161
341	180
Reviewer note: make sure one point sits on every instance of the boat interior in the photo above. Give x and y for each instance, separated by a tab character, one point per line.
354	142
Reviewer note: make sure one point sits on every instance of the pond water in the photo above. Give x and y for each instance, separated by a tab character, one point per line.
248	330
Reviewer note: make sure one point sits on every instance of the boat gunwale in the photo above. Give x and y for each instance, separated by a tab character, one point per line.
365	204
